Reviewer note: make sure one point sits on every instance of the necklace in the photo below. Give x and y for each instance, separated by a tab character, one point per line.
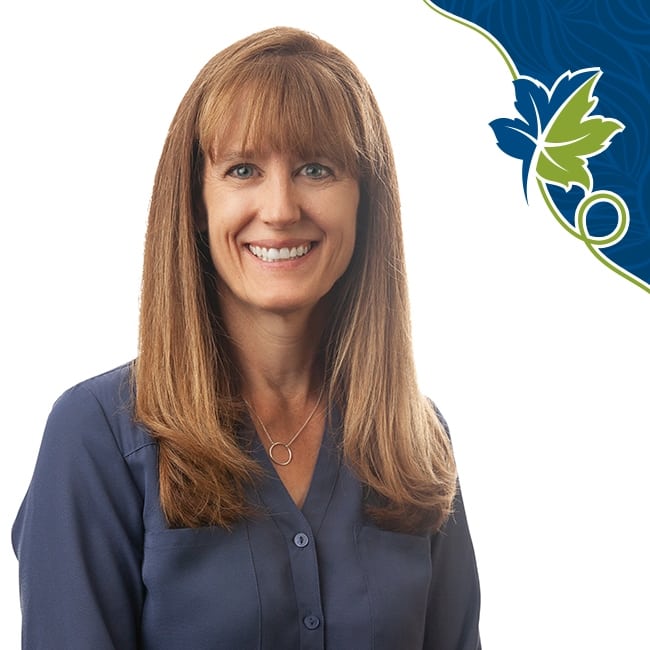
285	445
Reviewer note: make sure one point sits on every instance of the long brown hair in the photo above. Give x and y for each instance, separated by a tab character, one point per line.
292	92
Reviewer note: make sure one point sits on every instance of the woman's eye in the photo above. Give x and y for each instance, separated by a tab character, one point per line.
243	170
316	170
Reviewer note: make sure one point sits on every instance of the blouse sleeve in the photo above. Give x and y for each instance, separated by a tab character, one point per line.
454	599
78	536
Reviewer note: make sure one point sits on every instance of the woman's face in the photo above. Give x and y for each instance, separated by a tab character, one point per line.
281	228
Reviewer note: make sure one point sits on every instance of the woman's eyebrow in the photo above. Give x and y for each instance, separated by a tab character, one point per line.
232	156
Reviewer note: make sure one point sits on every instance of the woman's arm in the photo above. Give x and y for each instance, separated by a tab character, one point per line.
78	536
454	599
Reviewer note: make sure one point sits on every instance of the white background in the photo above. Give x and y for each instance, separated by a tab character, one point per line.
536	353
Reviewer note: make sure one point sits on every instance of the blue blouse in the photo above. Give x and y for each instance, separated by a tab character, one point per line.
100	569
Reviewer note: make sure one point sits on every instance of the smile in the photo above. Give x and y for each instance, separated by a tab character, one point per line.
279	254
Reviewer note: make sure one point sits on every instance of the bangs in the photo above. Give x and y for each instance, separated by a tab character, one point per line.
283	103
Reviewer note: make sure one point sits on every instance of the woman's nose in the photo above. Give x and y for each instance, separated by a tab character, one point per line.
279	202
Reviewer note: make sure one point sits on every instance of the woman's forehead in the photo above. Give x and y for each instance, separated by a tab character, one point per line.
289	116
245	141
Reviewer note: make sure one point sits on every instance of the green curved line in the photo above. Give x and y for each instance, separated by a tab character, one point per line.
594	250
479	30
617	269
623	213
581	232
551	206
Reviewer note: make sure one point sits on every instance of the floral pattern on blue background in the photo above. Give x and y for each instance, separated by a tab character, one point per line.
591	167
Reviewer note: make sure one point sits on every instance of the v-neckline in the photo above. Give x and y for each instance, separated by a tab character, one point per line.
275	495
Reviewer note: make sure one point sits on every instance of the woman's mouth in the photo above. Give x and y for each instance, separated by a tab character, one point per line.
279	254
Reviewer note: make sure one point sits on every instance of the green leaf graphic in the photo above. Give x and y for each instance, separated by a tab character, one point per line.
572	136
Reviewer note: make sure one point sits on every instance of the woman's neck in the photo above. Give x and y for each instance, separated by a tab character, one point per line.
282	383
277	354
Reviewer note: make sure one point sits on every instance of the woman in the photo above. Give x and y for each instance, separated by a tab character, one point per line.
266	473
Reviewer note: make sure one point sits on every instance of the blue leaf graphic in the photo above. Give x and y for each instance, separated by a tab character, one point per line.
538	106
532	102
514	138
564	88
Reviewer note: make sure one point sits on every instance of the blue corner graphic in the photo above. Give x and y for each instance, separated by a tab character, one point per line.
586	152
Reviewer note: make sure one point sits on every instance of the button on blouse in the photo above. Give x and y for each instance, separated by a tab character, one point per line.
300	540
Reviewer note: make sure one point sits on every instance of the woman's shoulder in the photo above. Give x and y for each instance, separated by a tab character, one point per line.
102	402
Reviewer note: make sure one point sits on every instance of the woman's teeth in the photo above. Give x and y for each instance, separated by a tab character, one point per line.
279	254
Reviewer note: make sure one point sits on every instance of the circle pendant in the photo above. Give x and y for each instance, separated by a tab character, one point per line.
274	447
